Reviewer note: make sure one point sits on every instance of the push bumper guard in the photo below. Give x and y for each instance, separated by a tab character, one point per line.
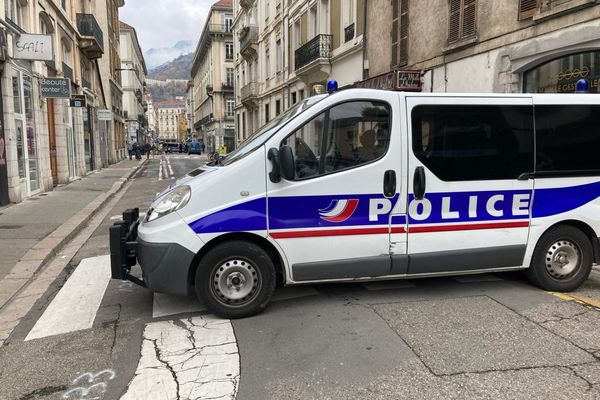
124	246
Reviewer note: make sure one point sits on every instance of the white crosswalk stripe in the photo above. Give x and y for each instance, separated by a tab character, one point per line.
75	306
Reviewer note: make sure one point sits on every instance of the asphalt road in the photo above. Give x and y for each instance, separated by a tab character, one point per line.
489	336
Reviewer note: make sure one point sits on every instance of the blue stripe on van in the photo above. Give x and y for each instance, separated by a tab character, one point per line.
248	216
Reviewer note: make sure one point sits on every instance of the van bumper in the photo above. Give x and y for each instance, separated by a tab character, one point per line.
165	266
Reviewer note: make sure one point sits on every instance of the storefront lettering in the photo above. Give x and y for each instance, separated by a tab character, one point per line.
575	73
30	47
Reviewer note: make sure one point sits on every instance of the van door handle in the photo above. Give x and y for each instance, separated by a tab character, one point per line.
419	183
389	183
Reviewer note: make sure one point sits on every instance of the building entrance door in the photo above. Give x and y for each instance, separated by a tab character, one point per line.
52	141
3	164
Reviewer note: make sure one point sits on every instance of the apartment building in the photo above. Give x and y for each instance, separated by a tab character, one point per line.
48	136
213	80
167	114
501	46
151	117
133	76
287	50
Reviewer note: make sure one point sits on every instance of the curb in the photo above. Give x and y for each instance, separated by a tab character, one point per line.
44	250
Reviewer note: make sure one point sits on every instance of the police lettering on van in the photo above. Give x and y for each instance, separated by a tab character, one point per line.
367	184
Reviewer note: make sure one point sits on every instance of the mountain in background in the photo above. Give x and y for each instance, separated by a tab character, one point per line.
156	57
179	68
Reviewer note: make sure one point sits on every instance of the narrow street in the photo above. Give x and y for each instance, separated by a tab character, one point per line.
480	336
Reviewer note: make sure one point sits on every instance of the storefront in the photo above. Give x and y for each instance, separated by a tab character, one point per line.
561	75
25	134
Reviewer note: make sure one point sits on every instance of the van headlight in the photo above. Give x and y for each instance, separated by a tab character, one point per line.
170	202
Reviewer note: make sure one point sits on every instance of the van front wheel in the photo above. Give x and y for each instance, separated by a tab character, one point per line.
235	279
562	259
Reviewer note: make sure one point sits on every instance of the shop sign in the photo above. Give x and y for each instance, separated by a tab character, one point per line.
55	88
105	115
33	47
78	100
400	80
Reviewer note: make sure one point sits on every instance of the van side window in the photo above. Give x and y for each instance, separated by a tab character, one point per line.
568	138
345	136
465	143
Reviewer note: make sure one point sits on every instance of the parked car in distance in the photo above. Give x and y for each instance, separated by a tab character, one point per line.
194	147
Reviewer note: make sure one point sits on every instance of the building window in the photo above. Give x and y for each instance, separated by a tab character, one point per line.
15	10
294	98
527	8
277	107
463	20
279	56
228	22
267	10
63	3
267	114
229	50
267	64
229	106
399	33
561	75
230	77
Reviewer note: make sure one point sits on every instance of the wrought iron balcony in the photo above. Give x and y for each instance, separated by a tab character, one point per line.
249	93
92	38
67	71
248	41
227	87
219	28
316	48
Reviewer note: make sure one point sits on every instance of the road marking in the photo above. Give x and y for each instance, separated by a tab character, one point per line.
170	169
74	307
578	299
160	177
194	358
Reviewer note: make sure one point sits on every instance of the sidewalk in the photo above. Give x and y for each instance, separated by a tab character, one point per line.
32	231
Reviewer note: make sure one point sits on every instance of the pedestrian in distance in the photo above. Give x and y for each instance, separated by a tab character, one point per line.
130	149
147	149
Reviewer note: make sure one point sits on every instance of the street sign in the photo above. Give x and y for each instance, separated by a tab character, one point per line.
33	47
78	100
105	115
55	88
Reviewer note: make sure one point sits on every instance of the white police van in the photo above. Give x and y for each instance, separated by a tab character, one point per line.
366	184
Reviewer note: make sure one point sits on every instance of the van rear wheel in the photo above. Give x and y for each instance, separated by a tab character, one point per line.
562	259
235	279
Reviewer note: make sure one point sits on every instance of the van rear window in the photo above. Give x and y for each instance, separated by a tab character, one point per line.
568	138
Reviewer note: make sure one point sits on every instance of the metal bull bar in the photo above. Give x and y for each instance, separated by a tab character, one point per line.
123	246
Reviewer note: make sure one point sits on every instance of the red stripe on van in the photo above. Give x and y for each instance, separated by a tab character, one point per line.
335	232
468	227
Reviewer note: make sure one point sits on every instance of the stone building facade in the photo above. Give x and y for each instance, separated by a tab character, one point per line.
287	50
167	114
213	80
133	77
48	141
487	45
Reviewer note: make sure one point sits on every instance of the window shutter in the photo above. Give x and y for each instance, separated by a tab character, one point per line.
469	27
527	8
403	51
395	15
455	11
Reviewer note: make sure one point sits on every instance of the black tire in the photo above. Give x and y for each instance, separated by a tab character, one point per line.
247	262
546	270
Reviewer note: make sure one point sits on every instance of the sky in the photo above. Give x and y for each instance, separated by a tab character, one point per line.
162	23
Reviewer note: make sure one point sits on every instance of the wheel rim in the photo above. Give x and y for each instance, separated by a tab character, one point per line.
235	282
563	259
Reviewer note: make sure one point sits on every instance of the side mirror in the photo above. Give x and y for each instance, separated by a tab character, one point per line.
273	156
286	163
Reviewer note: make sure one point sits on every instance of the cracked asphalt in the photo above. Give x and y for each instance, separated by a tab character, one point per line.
479	337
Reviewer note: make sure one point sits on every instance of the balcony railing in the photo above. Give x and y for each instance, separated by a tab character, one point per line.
227	86
318	47
88	28
248	37
67	71
249	92
219	28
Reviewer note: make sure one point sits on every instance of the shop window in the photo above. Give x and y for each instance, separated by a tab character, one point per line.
466	143
463	20
561	75
567	138
346	136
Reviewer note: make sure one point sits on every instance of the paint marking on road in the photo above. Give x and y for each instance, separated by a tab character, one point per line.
578	299
74	307
160	176
170	169
194	358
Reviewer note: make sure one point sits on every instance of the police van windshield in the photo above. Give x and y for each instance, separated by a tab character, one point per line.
264	133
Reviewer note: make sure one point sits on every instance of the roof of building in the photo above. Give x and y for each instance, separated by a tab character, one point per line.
223	3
